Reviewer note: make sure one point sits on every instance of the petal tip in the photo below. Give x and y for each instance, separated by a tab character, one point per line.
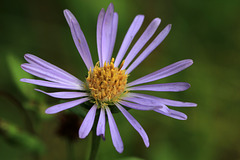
27	55
147	144
188	85
102	136
120	149
81	136
111	5
50	111
188	61
194	104
157	21
191	61
22	80
66	11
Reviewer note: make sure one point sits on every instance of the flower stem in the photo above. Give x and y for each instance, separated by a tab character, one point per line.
95	142
70	150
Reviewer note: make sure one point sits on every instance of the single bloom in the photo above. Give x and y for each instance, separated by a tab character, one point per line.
106	86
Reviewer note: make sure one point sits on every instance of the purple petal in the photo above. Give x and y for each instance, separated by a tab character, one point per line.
137	106
114	34
163	101
101	124
164	72
173	114
116	138
63	106
79	39
132	31
99	35
161	36
107	33
48	74
51	84
38	62
87	123
65	95
147	34
165	87
147	102
135	124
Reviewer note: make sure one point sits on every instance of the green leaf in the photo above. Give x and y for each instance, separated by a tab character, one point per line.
17	73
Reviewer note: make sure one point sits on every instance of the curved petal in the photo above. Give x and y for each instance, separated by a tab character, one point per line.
50	84
107	33
116	138
64	95
163	72
114	34
137	106
132	31
101	124
147	34
165	87
142	101
163	101
38	62
135	124
79	38
173	114
48	74
63	106
99	35
160	37
87	123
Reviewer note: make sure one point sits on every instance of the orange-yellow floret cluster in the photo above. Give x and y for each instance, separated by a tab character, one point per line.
106	84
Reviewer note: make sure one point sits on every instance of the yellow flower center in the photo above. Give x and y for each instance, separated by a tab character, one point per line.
106	84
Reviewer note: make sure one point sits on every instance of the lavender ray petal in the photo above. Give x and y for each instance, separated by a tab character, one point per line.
51	84
87	123
160	37
116	138
137	106
147	34
132	31
142	101
79	39
101	124
63	106
64	95
107	32
163	72
135	124
174	114
114	34
162	100
48	74
81	44
164	87
38	62
99	35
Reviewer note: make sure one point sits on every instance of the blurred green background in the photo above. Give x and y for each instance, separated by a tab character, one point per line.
206	31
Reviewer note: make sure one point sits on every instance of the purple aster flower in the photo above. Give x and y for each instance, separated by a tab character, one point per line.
106	86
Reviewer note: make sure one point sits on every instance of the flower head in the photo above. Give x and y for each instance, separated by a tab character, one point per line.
106	86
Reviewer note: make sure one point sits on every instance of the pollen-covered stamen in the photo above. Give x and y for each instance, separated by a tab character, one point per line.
106	84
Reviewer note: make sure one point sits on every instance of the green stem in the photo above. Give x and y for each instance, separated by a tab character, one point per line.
95	142
70	150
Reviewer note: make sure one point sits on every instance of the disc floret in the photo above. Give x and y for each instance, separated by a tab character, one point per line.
106	84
